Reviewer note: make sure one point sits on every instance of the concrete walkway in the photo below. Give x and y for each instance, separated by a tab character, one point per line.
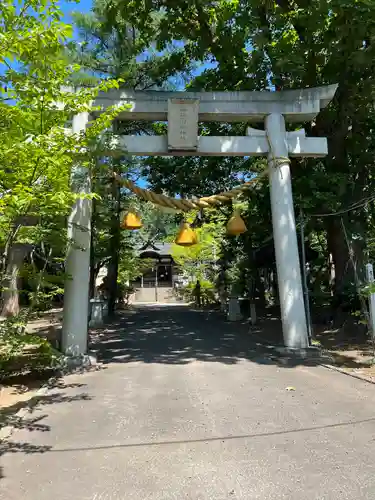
188	407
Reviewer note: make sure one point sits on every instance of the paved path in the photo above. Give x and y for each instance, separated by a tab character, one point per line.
187	408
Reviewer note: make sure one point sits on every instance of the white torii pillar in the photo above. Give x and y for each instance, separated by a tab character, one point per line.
77	264
293	315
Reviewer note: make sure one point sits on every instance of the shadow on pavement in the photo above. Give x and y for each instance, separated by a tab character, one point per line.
30	421
179	335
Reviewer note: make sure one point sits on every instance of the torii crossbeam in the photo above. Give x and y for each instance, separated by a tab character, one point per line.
255	144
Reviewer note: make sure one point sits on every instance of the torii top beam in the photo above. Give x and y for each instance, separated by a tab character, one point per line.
242	106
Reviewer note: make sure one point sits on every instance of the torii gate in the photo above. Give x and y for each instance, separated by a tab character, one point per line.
184	110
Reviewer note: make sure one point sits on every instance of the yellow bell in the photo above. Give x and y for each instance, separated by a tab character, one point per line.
131	221
186	236
236	224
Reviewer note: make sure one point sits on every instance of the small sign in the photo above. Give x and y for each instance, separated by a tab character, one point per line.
183	124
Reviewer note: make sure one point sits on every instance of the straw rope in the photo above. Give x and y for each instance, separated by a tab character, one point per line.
186	205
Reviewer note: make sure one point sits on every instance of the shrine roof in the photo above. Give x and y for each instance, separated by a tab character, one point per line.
159	248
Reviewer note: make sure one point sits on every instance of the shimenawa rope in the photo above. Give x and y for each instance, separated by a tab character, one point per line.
186	205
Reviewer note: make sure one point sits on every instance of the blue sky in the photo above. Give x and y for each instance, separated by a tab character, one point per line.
67	7
85	5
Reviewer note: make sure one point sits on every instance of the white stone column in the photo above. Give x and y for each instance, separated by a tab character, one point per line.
292	306
76	294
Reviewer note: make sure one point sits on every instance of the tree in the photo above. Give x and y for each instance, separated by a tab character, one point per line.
196	261
36	152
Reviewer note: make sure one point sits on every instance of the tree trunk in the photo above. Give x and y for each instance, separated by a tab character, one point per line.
10	295
343	269
114	246
112	282
94	217
93	275
259	286
93	271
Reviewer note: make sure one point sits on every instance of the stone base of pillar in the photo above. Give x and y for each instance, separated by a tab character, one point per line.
81	362
311	352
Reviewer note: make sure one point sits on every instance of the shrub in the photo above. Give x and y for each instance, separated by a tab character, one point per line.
22	352
208	295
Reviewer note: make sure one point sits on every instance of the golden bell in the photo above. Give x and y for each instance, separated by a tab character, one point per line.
236	224
186	236
131	221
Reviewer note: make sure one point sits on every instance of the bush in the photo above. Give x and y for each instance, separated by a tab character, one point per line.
208	295
22	352
124	292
